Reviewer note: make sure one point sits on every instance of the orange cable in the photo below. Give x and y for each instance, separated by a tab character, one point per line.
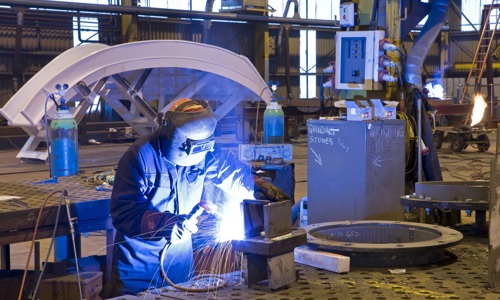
33	243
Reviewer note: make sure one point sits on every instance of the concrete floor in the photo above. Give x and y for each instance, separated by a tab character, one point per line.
463	274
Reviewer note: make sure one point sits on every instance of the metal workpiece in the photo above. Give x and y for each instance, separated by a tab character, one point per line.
273	246
206	69
428	202
269	243
384	243
453	195
467	191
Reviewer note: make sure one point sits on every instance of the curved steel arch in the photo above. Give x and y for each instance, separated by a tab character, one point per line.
94	62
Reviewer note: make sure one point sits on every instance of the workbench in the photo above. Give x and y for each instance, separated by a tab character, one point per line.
88	207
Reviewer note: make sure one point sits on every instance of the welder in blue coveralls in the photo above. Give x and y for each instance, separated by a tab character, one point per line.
158	181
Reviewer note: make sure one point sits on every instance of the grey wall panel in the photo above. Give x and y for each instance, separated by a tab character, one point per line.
42	39
236	37
43	31
463	47
325	48
277	62
157	29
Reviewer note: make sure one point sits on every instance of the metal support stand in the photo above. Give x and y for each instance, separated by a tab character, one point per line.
422	214
269	243
4	257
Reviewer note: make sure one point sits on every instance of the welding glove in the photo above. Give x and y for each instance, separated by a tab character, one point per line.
181	228
175	228
267	191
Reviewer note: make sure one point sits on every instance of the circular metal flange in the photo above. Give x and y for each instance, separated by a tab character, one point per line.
462	195
454	190
383	243
413	201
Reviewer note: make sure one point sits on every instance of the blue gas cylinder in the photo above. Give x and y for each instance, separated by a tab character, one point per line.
274	124
63	133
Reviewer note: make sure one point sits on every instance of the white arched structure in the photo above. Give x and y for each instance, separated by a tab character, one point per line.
161	69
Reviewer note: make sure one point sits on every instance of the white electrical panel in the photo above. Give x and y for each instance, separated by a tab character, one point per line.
357	54
253	152
347	14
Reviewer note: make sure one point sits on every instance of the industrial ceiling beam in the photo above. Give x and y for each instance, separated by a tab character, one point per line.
160	12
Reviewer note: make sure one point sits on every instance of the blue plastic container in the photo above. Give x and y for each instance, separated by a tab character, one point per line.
63	144
274	124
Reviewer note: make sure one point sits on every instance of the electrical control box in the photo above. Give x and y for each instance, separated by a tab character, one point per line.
357	56
347	14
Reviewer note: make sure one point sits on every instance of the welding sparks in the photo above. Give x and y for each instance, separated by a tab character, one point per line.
478	110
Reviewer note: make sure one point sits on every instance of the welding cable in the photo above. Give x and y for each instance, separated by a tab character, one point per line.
409	131
402	56
410	134
102	177
223	281
33	242
399	74
50	245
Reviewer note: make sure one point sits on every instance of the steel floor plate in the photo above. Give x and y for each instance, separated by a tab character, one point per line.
461	275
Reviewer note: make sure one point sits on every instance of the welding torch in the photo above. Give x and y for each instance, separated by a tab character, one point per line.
198	209
190	225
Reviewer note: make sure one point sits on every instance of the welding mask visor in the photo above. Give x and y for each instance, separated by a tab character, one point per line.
187	132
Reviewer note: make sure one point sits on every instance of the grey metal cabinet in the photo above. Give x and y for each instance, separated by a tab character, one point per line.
356	170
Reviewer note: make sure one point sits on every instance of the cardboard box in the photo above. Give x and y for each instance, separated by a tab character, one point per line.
381	111
356	112
66	287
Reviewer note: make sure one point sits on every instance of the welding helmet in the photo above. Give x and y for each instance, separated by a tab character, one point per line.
186	134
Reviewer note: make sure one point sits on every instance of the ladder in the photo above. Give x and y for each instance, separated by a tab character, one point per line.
483	47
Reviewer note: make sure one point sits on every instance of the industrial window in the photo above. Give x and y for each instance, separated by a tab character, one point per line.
308	9
471	14
89	26
198	5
